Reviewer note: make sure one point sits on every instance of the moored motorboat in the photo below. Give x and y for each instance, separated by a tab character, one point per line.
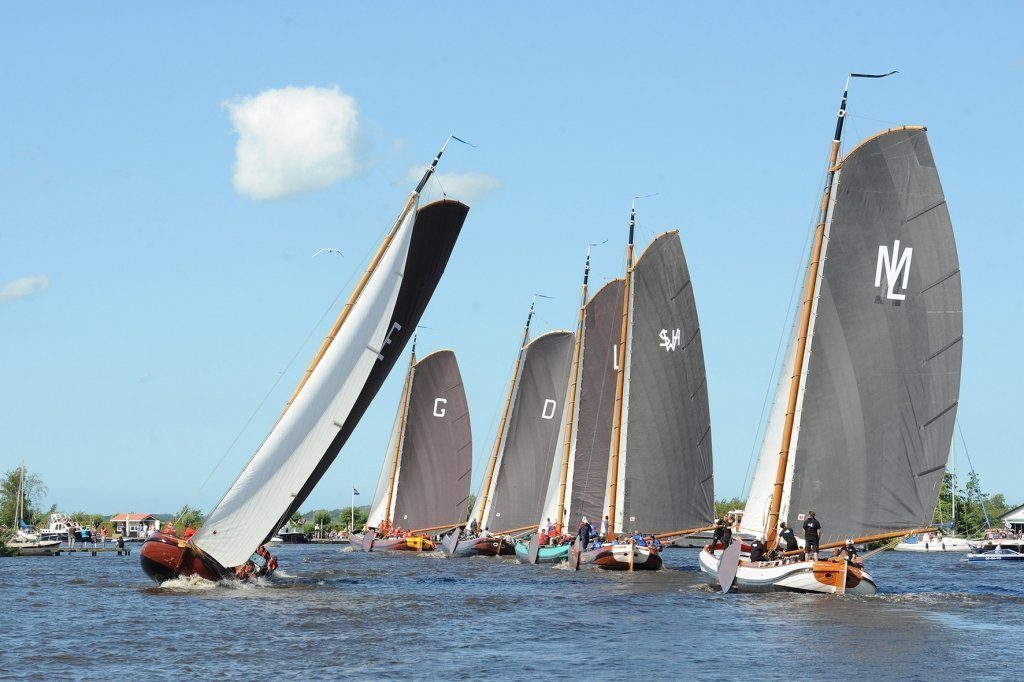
30	544
1000	553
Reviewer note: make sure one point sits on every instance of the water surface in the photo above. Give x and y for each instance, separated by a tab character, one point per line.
331	613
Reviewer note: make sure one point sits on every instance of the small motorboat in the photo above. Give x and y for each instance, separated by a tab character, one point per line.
1000	553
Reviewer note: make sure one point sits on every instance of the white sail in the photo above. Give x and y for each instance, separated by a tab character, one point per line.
288	457
380	493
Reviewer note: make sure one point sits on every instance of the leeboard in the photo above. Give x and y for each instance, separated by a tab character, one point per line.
727	565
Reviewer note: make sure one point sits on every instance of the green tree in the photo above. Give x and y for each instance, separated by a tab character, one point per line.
42	518
33	492
726	506
470	503
971	506
188	516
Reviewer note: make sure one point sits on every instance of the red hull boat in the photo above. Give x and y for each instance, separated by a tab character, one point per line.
165	557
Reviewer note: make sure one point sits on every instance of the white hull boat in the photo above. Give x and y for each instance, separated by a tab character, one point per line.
792	576
932	543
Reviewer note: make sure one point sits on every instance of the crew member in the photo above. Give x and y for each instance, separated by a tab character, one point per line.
757	550
789	537
720	525
604	529
189	532
584	535
812	535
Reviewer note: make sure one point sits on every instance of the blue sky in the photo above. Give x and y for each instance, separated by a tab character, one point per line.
151	305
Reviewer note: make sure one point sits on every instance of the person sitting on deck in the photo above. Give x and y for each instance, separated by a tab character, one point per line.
485	533
654	543
189	532
851	551
169	529
639	541
757	550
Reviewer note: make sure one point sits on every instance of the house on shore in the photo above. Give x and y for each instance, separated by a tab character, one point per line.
1015	518
132	525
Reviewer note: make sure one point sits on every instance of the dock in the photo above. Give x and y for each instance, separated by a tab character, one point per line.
93	551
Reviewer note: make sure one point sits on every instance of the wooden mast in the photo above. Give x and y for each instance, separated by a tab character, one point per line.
403	417
620	379
504	418
571	412
813	269
410	202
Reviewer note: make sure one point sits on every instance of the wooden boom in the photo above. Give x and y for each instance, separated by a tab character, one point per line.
869	538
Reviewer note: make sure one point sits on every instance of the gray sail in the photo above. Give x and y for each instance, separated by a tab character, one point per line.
883	378
437	452
668	483
532	434
595	405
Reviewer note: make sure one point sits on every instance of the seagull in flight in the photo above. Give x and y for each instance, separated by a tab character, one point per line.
328	250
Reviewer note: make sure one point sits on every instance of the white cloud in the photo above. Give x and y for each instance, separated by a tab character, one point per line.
24	287
468	186
293	140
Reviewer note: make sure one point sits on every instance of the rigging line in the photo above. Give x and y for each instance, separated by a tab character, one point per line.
787	324
977	486
283	372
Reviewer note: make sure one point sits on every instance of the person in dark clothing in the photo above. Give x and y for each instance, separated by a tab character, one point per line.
812	535
789	537
584	535
727	536
720	525
757	548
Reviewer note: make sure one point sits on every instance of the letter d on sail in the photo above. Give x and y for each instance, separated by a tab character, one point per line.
894	265
549	409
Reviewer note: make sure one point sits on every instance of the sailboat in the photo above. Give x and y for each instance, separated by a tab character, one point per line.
577	484
26	541
345	375
424	482
863	416
659	481
512	491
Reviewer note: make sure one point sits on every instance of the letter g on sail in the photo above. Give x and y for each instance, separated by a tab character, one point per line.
440	411
896	267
